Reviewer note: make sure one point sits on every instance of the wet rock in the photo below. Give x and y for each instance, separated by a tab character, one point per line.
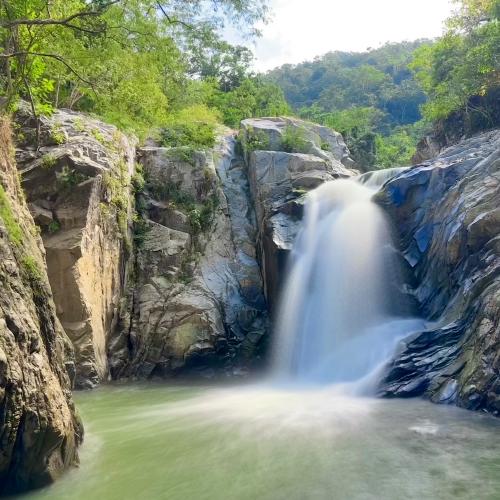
447	214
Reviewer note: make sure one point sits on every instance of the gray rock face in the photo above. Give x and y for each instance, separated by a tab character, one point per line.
39	429
77	187
270	133
427	148
447	212
278	183
197	302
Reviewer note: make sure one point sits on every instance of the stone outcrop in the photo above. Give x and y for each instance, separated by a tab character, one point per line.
39	430
427	148
77	185
294	136
279	180
196	303
447	213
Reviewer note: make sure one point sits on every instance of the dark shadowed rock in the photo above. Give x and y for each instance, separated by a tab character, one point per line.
39	429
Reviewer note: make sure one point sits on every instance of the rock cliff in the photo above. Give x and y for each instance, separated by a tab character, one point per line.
78	189
191	291
196	302
446	211
286	158
39	429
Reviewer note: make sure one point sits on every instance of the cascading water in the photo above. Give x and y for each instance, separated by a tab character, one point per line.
341	314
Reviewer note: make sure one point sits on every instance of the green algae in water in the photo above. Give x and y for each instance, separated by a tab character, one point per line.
255	442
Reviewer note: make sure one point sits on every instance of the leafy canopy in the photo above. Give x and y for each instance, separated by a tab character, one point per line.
135	63
464	63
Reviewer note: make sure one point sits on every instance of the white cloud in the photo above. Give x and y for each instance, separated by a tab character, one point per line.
302	29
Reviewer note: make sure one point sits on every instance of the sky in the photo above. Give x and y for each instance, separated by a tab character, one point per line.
299	30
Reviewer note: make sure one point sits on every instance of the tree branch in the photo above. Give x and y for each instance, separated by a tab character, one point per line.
59	22
52	56
173	21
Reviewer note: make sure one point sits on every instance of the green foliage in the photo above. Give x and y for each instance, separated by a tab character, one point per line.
118	60
54	226
31	269
340	81
193	126
49	161
256	140
195	135
97	135
122	220
253	98
79	125
395	150
138	181
57	134
293	140
14	231
200	215
68	177
463	63
208	209
364	96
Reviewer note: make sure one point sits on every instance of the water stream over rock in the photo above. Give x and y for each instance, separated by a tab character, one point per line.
342	312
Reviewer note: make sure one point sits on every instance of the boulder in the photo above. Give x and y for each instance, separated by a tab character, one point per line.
294	135
279	181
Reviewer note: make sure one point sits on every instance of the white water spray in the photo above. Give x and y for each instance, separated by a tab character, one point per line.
341	315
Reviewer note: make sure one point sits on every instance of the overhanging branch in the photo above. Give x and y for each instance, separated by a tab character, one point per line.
52	56
59	22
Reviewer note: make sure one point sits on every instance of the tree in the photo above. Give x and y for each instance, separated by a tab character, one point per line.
123	59
464	63
253	98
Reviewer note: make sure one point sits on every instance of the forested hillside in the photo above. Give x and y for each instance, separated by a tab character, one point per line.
372	98
162	69
384	100
461	72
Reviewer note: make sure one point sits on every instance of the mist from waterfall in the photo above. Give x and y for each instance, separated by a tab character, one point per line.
342	311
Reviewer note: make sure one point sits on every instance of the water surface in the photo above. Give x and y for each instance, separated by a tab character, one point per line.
258	442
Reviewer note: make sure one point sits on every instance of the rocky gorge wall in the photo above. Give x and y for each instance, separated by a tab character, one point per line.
196	303
447	214
169	261
39	428
176	273
78	186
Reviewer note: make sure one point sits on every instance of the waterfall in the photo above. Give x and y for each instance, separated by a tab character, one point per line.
342	312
